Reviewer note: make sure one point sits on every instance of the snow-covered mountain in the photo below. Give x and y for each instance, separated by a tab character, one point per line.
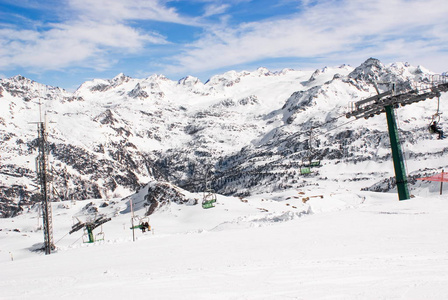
242	132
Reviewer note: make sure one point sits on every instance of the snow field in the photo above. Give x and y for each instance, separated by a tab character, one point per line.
342	246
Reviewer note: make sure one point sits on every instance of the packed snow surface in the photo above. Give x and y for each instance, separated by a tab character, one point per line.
336	245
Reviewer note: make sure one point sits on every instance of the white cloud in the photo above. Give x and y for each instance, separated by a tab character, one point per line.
118	10
343	31
215	9
68	44
406	29
94	29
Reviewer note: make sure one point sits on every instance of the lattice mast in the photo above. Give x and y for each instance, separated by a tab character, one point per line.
44	182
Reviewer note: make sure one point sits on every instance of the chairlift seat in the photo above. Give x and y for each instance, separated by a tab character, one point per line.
305	170
99	236
207	204
315	163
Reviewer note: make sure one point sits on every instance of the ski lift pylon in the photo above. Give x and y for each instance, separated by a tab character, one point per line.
89	226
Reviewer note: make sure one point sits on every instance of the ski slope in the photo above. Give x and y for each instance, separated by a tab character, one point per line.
338	245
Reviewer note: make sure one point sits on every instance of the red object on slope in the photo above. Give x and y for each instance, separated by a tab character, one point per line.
442	177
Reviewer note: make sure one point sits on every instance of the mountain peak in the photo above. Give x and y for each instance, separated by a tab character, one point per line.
120	79
368	70
262	71
20	78
189	81
120	76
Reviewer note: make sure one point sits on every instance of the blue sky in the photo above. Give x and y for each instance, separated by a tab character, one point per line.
66	42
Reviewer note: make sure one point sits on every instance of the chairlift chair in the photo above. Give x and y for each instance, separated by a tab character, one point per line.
435	117
142	223
308	161
315	163
100	235
305	170
209	199
307	164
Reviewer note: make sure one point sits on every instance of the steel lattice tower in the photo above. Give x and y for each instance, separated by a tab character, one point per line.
44	182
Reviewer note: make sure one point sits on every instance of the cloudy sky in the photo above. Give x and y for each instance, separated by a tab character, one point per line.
66	42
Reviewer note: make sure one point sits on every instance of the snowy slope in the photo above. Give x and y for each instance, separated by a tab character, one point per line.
337	245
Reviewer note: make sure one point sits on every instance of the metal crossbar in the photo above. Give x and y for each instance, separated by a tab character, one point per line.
372	106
